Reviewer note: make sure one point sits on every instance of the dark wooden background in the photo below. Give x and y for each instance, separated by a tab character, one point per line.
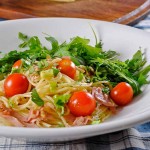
121	11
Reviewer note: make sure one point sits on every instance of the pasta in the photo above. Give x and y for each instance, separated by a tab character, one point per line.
20	110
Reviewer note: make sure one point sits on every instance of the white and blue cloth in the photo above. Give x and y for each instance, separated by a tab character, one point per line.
136	138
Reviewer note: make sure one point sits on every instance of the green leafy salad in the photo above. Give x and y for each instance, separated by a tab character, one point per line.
105	63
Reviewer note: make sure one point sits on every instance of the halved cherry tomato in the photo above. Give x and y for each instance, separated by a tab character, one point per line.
81	104
122	94
67	67
15	83
17	64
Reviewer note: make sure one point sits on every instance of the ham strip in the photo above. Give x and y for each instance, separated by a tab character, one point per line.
101	97
33	114
80	121
14	121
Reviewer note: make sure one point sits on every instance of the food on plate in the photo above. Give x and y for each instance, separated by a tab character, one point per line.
69	84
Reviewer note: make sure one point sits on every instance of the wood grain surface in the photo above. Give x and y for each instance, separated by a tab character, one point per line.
120	11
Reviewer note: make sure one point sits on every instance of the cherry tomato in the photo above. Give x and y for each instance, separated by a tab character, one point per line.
122	94
17	64
15	83
67	67
81	104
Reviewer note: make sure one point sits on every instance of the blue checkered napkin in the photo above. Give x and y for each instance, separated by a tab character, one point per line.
144	24
137	138
132	139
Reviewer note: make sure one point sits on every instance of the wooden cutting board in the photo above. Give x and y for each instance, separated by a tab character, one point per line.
120	11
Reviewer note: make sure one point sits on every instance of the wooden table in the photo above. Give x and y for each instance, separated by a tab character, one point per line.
120	11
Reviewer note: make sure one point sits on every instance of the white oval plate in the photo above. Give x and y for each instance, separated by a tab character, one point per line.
125	40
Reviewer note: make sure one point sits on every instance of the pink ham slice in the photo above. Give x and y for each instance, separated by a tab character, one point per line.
102	98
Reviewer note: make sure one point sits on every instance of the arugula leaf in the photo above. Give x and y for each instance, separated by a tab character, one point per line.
62	51
22	36
36	98
81	47
55	71
60	101
7	61
137	62
143	75
54	43
137	67
99	45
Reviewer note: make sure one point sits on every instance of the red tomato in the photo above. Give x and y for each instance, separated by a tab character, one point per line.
81	104
17	64
15	83
122	94
67	67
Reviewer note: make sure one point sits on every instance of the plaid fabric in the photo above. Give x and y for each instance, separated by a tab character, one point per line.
130	139
144	24
136	138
